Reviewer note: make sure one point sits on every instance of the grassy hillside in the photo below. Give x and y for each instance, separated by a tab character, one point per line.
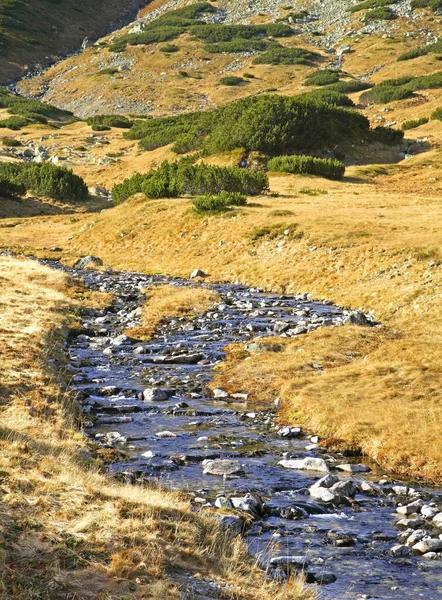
32	31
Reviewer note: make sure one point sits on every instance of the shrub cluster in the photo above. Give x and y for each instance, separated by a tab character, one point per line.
182	177
231	80
371	4
434	5
437	114
421	51
109	121
388	135
348	87
413	123
9	188
218	202
46	180
238	45
380	14
328	96
308	165
268	123
11	143
212	34
403	87
285	56
322	77
27	111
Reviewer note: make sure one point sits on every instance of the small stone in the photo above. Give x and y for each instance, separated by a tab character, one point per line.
166	434
400	550
222	467
156	394
351	468
220	393
197	273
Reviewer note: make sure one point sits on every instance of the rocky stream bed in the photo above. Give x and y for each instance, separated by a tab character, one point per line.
357	533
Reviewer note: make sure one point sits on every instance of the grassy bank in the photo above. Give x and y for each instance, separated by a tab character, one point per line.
361	243
67	530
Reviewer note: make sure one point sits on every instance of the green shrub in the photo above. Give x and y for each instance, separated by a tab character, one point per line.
109	121
388	135
266	123
214	33
11	143
380	14
421	51
98	127
248	76
183	177
322	77
237	45
10	188
348	87
170	48
285	56
14	123
437	114
30	109
108	71
402	87
231	80
418	4
219	202
308	165
46	180
328	96
413	123
371	4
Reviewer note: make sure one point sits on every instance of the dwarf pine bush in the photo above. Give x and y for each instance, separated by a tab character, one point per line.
308	165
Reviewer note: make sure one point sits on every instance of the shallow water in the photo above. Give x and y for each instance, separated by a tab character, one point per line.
209	428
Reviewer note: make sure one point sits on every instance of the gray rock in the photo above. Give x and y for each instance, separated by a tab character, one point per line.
429	545
289	432
165	434
410	523
156	394
87	261
437	519
222	467
220	393
355	317
400	550
305	464
197	273
351	468
296	562
231	523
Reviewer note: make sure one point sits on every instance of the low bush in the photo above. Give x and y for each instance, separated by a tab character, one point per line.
421	51
11	143
413	123
33	111
348	87
418	4
10	188
46	180
14	123
214	33
183	177
266	123
170	48
322	77
231	80
108	121
437	114
388	135
308	165
328	96
219	202
402	87
285	56
237	45
371	4
380	14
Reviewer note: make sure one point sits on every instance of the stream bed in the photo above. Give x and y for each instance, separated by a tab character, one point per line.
150	401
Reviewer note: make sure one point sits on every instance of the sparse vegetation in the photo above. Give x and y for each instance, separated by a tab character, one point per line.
437	114
109	121
380	14
26	111
421	51
371	4
285	56
11	142
390	90
170	48
308	165
289	231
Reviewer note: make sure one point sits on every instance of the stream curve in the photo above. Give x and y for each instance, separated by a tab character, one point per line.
150	400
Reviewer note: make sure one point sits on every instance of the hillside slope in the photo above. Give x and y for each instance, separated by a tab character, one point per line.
38	31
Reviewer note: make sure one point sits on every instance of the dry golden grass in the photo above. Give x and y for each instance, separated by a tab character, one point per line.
67	530
170	301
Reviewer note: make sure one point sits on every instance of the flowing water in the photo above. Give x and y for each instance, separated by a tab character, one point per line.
345	545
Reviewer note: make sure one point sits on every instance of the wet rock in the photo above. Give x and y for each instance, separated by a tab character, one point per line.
437	519
182	359
223	502
289	432
410	509
109	420
156	394
88	261
290	562
323	578
351	468
222	467
428	545
293	513
231	523
410	523
400	550
428	511
305	464
165	434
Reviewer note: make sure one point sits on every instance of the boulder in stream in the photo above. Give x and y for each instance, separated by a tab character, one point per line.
305	464
88	261
222	467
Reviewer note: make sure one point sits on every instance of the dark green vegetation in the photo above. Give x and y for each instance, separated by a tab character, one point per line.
437	114
167	27
25	111
371	4
322	77
213	34
380	14
403	87
434	5
217	203
413	123
231	80
43	180
271	124
308	165
169	48
328	96
11	143
33	30
105	122
348	87
182	177
285	56
435	48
